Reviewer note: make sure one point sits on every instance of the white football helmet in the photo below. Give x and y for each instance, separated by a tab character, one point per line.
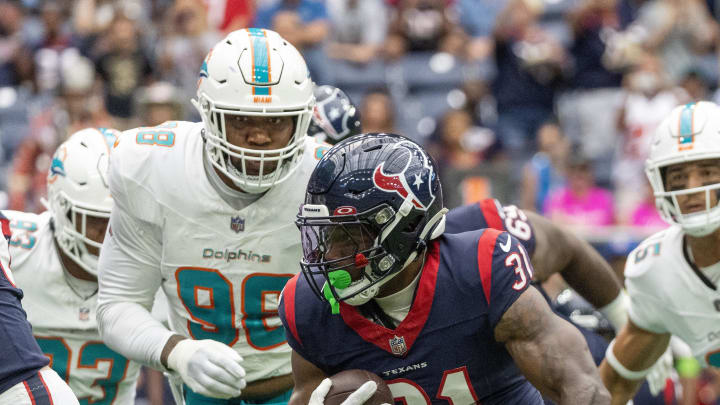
77	185
254	72
691	132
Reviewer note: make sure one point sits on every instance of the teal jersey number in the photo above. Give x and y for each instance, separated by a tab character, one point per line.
91	354
208	298
642	254
24	239
257	289
59	353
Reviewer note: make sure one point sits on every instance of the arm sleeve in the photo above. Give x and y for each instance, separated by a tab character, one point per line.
643	310
510	272
129	277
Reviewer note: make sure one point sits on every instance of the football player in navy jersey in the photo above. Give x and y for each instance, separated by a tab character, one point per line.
552	250
441	317
25	377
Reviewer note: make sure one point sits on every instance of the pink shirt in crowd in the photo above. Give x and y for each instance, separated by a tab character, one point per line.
593	209
646	215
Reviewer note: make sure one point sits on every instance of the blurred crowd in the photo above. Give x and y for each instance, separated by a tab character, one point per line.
546	103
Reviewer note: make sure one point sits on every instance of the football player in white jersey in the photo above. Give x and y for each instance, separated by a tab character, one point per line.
206	211
672	277
54	258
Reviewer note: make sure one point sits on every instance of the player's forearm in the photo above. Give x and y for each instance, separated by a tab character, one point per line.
590	275
577	379
621	390
129	329
586	392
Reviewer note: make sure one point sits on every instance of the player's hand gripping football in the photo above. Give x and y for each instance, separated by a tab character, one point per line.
358	397
208	367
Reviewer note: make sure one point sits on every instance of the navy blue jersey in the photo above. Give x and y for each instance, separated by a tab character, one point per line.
20	355
444	350
489	213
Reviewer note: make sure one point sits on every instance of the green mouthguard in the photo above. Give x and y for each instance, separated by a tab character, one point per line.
340	279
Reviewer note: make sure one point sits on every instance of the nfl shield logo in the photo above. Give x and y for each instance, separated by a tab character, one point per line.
397	346
237	224
84	314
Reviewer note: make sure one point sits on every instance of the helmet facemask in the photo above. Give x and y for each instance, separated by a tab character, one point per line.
699	223
253	170
71	230
365	241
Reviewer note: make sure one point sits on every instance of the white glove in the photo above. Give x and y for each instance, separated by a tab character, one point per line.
358	397
209	368
660	372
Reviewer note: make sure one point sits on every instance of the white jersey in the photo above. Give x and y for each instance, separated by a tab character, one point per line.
63	322
222	269
667	296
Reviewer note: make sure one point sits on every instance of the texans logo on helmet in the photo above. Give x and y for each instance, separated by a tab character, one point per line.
398	183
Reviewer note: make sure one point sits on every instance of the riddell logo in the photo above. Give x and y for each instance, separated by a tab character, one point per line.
231	255
262	99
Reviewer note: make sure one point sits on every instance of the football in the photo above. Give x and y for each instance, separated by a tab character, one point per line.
346	382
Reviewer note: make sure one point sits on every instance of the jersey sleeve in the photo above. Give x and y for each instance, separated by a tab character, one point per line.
129	270
489	213
287	314
505	271
644	309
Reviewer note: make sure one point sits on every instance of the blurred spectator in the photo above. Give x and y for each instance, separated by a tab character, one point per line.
461	144
304	23
92	19
55	41
628	11
77	107
580	202
477	18
124	67
648	99
377	112
677	31
358	29
645	214
693	83
158	103
589	112
15	106
15	55
529	63
230	15
423	25
185	44
462	152
545	172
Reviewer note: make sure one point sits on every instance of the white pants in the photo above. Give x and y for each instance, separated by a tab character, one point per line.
44	388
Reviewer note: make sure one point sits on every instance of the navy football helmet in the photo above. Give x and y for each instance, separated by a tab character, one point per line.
372	202
335	116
